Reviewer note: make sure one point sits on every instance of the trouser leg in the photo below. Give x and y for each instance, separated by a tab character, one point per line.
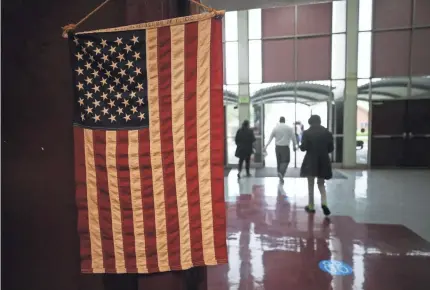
321	188
247	164
278	158
240	164
311	184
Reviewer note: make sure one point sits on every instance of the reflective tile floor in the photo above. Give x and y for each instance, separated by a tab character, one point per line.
379	226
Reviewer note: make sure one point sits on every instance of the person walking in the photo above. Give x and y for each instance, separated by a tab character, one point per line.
317	141
283	135
244	141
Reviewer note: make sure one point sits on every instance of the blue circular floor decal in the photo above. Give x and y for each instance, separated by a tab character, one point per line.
335	268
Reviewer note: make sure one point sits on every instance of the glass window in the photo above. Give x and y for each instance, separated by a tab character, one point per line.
278	60
278	21
255	62
365	13
392	13
338	50
390	55
230	26
313	58
421	52
422	12
364	54
254	24
339	17
314	18
232	63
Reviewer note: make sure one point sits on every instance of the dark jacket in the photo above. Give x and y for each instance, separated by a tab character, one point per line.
244	141
317	141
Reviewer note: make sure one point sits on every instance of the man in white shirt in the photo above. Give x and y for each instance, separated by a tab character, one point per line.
283	135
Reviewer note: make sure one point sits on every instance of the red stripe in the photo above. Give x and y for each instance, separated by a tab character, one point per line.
122	167
81	201
191	41
148	200
165	105
105	216
217	141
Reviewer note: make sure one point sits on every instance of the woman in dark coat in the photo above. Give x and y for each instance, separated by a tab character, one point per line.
317	141
244	141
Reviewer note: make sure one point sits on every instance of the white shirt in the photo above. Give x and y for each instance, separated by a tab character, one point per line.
283	135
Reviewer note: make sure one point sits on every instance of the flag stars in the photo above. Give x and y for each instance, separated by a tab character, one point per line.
111	103
128	48
80	86
140	101
138	71
97	51
88	65
89	80
96	118
91	57
127	117
96	103
103	81
120	57
122	72
141	116
112	118
112	50
132	95
134	109
81	101
79	56
118	96
118	41
105	111
120	111
116	81
95	73
131	79
83	117
104	96
129	64
104	43
105	58
75	40
111	89
125	88
79	71
139	86
136	55
135	39
89	110
89	95
125	103
114	65
96	88
89	43
100	66
108	74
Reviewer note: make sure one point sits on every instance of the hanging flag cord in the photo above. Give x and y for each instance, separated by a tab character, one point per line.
72	27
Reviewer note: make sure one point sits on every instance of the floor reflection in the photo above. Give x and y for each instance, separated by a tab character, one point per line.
273	244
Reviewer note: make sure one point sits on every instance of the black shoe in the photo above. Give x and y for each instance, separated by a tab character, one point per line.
308	210
326	210
248	174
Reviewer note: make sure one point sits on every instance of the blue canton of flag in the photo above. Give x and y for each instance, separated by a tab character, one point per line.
110	80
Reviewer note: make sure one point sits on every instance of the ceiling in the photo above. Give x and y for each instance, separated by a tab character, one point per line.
230	5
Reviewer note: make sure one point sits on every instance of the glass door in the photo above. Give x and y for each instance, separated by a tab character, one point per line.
231	127
256	120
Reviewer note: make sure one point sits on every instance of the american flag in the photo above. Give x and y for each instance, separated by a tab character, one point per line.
149	146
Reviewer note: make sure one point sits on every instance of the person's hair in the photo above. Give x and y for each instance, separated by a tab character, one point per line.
314	120
282	120
245	124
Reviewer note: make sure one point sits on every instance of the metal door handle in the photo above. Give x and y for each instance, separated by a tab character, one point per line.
411	135
404	135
